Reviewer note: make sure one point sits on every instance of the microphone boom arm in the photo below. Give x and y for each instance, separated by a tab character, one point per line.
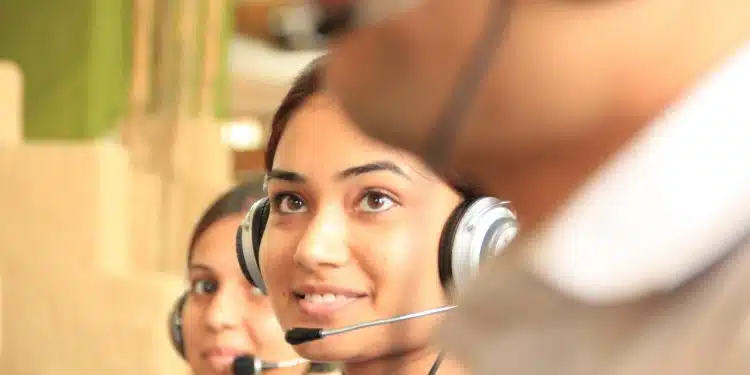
327	332
284	364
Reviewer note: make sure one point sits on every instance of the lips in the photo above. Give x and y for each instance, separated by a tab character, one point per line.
221	358
327	298
322	302
323	289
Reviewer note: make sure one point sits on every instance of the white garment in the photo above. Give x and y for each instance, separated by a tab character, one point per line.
669	205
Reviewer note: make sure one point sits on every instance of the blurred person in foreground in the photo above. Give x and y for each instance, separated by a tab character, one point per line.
222	316
620	130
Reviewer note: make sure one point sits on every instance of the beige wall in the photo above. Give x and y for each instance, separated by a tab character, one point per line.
94	267
10	103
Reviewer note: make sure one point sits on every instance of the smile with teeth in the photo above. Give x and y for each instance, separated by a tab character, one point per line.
327	298
325	304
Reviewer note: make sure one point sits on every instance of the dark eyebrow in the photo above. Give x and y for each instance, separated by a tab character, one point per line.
281	174
377	166
372	167
200	267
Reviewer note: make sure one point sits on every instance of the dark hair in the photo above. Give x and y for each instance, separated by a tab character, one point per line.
234	202
304	86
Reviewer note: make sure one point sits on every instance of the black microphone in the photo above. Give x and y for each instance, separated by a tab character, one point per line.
296	336
249	365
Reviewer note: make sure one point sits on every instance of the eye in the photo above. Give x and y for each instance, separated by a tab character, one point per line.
204	287
289	203
374	201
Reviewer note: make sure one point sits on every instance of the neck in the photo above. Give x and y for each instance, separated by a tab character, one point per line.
297	370
418	362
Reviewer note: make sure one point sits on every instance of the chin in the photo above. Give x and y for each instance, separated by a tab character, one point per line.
337	349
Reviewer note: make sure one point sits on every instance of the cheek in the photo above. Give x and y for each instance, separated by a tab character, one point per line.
276	255
192	335
276	263
272	345
270	332
407	260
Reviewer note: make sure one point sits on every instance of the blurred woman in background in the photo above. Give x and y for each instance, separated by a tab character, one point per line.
221	316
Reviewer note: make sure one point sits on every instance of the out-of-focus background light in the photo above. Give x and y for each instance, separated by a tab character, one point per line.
243	135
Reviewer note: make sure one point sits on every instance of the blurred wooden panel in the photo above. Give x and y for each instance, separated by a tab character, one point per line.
11	92
251	17
248	162
261	75
180	76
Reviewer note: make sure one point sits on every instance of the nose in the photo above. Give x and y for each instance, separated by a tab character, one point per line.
225	310
324	242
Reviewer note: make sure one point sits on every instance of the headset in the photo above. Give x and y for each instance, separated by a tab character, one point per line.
175	325
477	228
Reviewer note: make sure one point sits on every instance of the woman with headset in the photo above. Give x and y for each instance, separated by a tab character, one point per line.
221	316
354	231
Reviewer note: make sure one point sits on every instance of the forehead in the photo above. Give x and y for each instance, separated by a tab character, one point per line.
321	139
216	244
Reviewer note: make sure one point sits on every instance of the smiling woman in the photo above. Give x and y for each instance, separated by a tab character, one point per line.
353	231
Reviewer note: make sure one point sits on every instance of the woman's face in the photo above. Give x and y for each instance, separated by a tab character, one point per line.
224	315
352	236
